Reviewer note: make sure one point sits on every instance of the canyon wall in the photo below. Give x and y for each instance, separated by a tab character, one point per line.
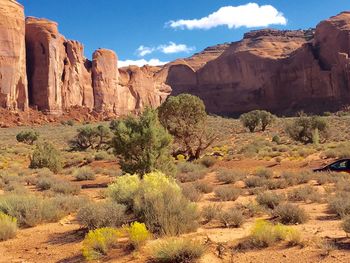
13	78
280	71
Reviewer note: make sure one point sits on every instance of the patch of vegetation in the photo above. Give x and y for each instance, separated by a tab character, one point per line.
211	212
143	145
269	199
191	192
308	129
306	193
184	116
138	234
89	137
8	227
231	218
102	214
27	137
177	251
229	176
253	119
340	204
46	155
203	187
190	172
290	214
84	174
227	193
99	242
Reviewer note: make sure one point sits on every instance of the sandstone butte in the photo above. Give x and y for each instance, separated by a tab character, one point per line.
280	71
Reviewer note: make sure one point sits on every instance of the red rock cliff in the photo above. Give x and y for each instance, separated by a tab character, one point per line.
13	79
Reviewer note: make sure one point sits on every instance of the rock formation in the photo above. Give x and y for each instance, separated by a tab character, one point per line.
281	71
13	80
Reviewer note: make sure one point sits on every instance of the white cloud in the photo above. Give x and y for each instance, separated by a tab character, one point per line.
141	62
143	51
170	48
249	15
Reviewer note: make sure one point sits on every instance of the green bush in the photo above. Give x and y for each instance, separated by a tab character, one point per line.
138	234
46	155
102	214
253	119
160	203
99	242
8	227
143	145
308	129
84	173
177	251
227	193
185	118
290	214
89	137
269	199
231	218
28	137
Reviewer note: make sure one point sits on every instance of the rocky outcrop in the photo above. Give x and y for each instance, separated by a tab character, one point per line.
13	80
281	71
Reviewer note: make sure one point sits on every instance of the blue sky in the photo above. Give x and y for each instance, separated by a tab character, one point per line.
140	29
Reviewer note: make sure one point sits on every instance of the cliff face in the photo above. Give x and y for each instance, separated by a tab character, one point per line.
281	71
13	79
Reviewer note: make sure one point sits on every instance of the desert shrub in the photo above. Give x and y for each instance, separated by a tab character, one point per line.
185	118
124	189
46	155
177	251
45	183
208	161
84	173
274	184
228	176
106	214
276	139
66	188
102	155
8	227
265	234
28	137
138	234
143	144
30	210
295	178
340	204
254	181
227	193
250	120
98	242
191	192
290	214
264	173
203	187
308	129
250	209
160	203
231	218
89	137
269	199
346	225
211	212
190	172
306	193
253	119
